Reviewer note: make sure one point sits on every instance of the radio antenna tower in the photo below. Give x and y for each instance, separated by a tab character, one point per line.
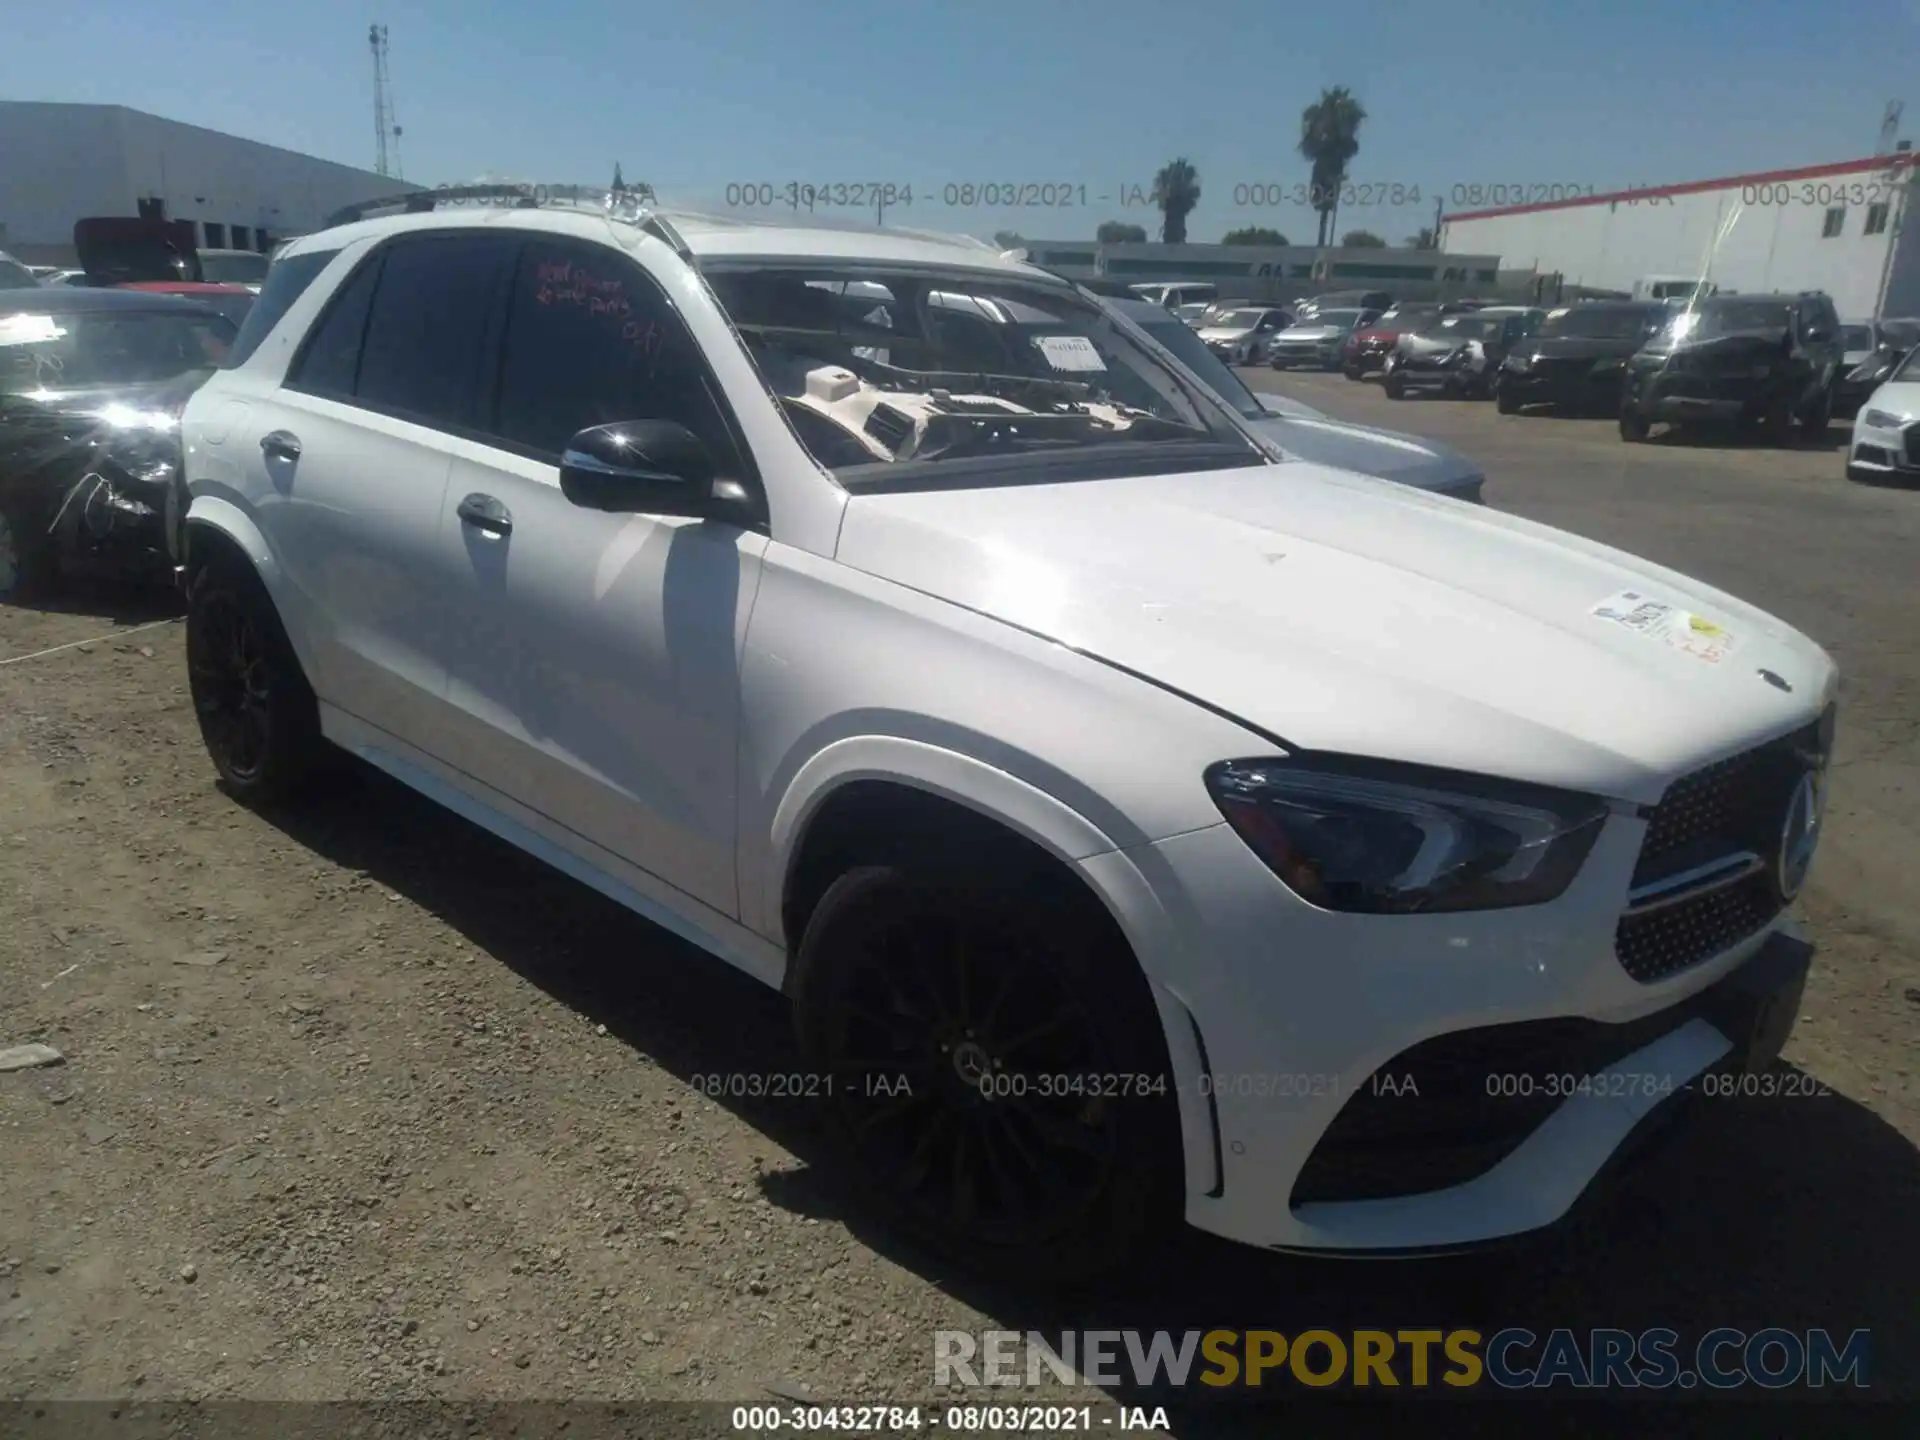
1889	126
382	107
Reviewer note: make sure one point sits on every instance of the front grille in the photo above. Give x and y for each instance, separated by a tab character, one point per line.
1731	807
1657	943
1913	446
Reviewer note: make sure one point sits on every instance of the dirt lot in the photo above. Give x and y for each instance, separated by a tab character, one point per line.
359	1102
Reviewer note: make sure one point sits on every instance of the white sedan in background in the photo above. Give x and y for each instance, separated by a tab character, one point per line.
1886	432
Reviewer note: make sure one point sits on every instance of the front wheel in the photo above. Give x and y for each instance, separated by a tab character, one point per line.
1000	1085
1395	387
1817	421
1505	401
1633	425
1353	372
257	713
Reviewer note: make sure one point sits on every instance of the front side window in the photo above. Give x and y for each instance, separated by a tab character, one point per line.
329	361
287	280
427	331
592	340
921	376
74	349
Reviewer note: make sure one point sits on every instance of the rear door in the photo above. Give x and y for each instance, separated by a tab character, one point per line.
354	448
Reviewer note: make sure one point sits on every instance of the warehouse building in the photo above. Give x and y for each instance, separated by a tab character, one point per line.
1851	229
59	163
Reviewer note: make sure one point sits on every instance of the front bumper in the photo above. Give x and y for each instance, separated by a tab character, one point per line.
1885	454
1562	385
1717	398
1282	357
1412	1083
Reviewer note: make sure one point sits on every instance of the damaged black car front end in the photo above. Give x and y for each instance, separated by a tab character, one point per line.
91	390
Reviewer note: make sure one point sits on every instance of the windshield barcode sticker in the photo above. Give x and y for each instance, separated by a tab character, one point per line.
1069	352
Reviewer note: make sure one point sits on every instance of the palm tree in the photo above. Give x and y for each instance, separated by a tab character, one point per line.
1176	190
1329	139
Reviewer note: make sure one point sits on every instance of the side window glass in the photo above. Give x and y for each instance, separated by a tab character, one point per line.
287	280
591	340
327	363
426	334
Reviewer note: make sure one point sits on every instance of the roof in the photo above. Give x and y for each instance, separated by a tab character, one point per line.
70	299
706	236
1694	187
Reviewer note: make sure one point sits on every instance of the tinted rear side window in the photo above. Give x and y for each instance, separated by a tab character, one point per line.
287	280
330	360
432	317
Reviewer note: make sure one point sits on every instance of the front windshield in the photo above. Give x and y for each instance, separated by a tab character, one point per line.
1728	317
1190	350
41	351
235	269
1335	319
1900	334
960	376
1598	322
1239	319
1407	318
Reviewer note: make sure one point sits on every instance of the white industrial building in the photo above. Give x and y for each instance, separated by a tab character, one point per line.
1851	229
1277	272
60	163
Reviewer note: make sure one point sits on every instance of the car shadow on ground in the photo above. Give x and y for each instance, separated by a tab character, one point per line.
1733	437
1788	1212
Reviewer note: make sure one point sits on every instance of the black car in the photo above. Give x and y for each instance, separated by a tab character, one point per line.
92	383
1576	359
1768	360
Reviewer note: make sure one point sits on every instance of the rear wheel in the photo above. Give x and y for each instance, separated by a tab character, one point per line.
257	713
1353	372
27	561
975	1031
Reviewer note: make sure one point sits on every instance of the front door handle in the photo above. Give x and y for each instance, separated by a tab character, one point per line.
280	445
485	513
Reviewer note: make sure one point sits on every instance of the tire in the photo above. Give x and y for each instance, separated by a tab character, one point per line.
28	563
1817	421
958	984
1633	425
1504	401
1776	423
257	713
1395	387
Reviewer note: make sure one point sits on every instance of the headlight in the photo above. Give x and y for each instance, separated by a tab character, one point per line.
1386	839
1519	363
1881	420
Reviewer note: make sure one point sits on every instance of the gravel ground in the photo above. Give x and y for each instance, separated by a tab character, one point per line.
358	1102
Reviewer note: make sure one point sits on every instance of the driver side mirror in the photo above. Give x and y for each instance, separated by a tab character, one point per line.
645	467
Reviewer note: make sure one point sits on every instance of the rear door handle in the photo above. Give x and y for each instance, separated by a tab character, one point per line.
485	513
280	445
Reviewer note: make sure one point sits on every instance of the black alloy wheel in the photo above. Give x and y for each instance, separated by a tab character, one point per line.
1633	425
1005	1098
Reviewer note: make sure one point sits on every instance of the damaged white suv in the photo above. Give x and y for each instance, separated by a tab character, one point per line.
1142	824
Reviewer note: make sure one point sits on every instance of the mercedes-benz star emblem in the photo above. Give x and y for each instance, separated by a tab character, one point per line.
1799	835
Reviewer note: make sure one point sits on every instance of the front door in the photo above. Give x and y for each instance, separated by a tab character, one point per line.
595	677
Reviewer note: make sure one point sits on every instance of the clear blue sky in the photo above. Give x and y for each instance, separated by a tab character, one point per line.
697	95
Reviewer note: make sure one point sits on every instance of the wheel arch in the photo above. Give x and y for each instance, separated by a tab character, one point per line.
214	524
869	787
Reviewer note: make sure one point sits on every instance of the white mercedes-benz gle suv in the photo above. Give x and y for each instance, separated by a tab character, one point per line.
1143	824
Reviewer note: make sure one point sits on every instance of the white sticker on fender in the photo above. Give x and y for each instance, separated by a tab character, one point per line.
1678	629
